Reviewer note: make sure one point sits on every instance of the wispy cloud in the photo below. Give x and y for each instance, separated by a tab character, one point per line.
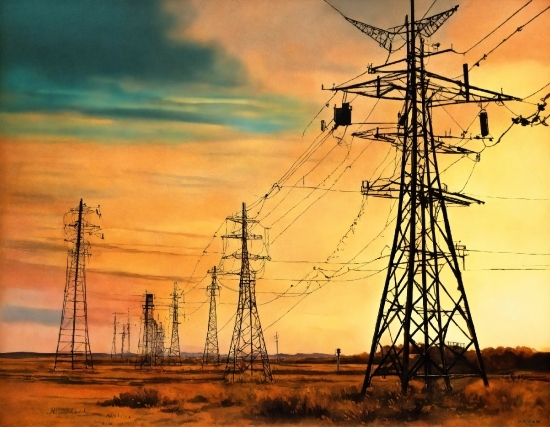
44	316
34	245
174	233
127	274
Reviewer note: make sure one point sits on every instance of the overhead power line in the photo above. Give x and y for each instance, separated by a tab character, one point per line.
499	26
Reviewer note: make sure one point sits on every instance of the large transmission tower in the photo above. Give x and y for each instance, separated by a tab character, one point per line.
247	342
73	344
174	350
211	349
424	326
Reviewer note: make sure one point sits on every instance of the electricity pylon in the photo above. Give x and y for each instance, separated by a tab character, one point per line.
247	342
424	313
122	340
211	349
158	347
73	344
277	345
128	330
174	350
113	346
146	344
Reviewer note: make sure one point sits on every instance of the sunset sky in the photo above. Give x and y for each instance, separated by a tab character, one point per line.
170	114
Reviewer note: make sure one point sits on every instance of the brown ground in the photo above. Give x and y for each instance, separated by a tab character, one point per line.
308	394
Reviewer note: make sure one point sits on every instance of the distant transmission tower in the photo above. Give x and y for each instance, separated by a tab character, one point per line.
159	344
125	336
211	349
247	342
113	346
122	340
146	345
424	326
73	344
174	355
277	345
128	330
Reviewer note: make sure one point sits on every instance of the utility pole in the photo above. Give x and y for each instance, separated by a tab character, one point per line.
211	349
423	309
174	350
73	344
277	345
247	342
338	352
113	346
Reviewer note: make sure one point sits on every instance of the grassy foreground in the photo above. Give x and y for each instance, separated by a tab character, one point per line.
118	395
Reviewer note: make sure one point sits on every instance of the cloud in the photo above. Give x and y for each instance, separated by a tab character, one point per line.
34	246
66	40
139	276
44	316
118	248
175	233
40	246
115	62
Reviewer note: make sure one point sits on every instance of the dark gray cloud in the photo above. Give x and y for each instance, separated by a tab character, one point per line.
44	316
66	40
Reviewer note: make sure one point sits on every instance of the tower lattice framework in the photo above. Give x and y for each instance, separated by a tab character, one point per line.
113	345
73	344
147	340
424	326
211	349
174	355
247	351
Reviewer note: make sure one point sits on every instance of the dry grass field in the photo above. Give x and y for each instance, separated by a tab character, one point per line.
116	394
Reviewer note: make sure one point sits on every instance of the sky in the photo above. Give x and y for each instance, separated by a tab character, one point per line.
171	114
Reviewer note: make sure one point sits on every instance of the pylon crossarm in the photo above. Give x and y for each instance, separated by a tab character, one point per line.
239	219
376	135
383	37
443	148
454	198
240	236
481	96
426	27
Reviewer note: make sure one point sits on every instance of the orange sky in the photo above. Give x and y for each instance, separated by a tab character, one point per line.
165	184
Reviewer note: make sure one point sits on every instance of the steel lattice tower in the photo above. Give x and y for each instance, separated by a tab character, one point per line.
211	349
122	340
113	345
174	350
73	344
247	342
158	347
424	326
146	345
